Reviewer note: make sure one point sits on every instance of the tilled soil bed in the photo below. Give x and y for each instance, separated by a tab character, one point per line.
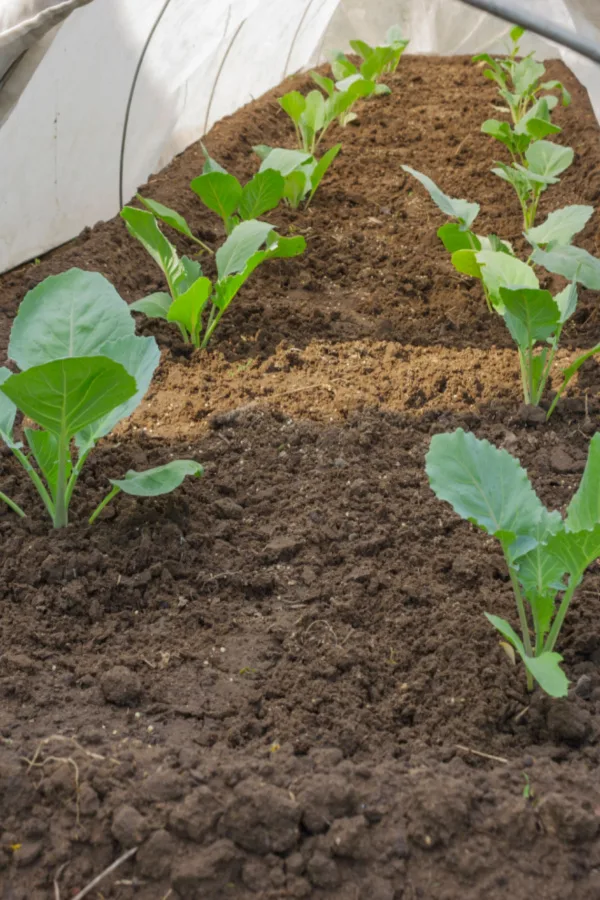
278	681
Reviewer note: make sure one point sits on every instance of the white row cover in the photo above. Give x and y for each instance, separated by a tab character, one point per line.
60	147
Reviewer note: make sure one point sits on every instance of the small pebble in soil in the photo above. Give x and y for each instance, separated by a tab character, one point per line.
121	686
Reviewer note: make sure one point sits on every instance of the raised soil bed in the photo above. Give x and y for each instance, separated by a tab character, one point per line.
278	681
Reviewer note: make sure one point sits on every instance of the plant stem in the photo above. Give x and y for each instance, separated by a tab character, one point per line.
559	618
75	473
212	323
203	245
61	506
103	503
39	484
522	619
524	379
11	503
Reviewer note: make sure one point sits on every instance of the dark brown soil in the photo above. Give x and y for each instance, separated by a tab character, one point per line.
278	681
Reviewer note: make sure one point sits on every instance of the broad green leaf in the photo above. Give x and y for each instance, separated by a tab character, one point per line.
530	314
516	33
261	194
44	446
160	480
465	262
293	104
576	549
140	357
361	48
314	112
583	512
394	35
193	271
483	484
547	159
169	216
538	570
538	129
277	247
220	192
66	395
71	314
155	306
141	225
502	270
284	161
245	240
296	187
465	212
321	168
526	74
210	164
341	65
187	308
8	410
518	178
326	84
501	131
493	242
561	226
262	150
557	85
454	238
374	66
566	301
573	263
545	668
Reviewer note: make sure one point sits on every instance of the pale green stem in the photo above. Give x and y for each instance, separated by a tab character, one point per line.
202	244
522	620
524	377
212	323
103	503
75	473
11	503
574	582
39	484
61	517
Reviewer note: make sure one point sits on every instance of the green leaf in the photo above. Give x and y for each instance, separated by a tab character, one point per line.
293	104
262	150
465	212
160	480
576	549
142	226
530	314
192	270
557	85
321	168
361	48
284	161
296	187
465	262
454	238
573	263
566	301
501	131
341	65
155	306
8	410
502	270
539	571
382	90
561	226
516	33
314	112
219	192
583	512
140	357
245	240
548	160
261	194
187	308
66	395
71	314
526	74
483	484
326	84
44	446
210	164
545	668
572	370
169	216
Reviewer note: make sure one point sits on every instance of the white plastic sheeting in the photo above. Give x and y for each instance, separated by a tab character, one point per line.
60	148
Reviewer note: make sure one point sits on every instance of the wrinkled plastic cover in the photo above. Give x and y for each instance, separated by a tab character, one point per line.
60	146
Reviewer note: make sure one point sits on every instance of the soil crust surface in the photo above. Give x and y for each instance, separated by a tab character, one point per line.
278	682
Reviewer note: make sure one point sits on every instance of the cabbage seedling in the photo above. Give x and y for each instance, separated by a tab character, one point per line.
543	163
490	489
313	115
82	370
194	303
519	81
302	173
375	61
223	193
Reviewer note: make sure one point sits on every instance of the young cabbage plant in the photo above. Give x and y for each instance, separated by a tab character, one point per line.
173	219
301	172
546	555
375	62
82	370
194	303
313	115
519	81
543	162
224	195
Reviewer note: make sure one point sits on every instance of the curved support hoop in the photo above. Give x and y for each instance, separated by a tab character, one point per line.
544	27
219	71
295	37
130	98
